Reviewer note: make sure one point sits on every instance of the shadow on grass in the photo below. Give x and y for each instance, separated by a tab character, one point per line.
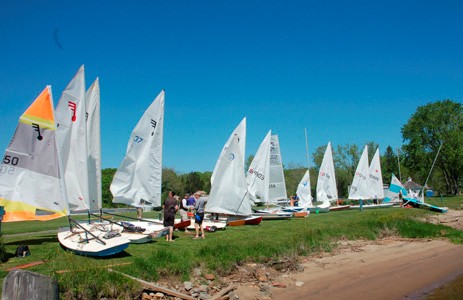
35	241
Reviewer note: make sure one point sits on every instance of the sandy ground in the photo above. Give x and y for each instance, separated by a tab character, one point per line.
391	268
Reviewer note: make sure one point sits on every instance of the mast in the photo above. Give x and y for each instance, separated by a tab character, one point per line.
435	158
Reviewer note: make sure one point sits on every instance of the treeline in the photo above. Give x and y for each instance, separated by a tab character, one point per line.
346	158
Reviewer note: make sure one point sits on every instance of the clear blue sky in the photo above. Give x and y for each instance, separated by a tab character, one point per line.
348	71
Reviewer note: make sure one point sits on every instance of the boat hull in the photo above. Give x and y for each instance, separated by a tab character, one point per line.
339	207
253	220
372	206
417	204
74	241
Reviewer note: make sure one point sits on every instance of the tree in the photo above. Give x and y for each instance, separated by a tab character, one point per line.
248	162
389	164
106	179
430	126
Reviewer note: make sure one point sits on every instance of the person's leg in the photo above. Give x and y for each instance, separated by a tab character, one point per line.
197	230
202	231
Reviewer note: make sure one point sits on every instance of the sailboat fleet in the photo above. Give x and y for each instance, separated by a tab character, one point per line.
52	167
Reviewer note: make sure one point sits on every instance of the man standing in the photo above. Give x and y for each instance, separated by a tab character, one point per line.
170	208
184	208
199	216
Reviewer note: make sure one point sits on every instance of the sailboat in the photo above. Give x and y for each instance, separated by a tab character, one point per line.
257	179
92	104
240	133
229	192
71	115
277	185
369	186
327	191
31	182
258	173
138	180
395	187
72	142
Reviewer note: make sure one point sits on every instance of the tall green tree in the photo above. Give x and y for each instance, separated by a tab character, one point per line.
389	164
430	126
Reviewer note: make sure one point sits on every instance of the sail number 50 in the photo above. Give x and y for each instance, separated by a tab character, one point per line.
11	160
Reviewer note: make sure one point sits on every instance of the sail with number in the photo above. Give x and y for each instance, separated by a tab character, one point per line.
229	193
240	133
72	141
92	98
326	182
360	184
258	173
277	185
138	180
31	181
376	190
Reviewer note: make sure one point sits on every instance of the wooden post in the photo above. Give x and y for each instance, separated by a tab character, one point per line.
22	284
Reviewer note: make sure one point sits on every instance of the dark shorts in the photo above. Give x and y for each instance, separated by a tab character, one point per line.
169	220
199	217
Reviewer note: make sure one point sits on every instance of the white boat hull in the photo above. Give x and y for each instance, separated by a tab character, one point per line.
81	242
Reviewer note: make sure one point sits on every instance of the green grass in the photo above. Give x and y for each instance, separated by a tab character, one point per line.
220	253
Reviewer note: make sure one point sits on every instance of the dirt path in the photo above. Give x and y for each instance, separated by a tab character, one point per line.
391	268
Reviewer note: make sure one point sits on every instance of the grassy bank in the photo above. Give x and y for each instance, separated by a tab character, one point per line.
219	253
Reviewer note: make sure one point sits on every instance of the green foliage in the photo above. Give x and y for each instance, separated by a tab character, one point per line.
430	126
106	179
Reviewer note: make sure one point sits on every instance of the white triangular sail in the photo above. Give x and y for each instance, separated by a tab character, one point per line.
229	193
361	183
395	187
376	190
277	185
257	176
72	141
303	191
138	180
92	98
240	133
326	182
31	180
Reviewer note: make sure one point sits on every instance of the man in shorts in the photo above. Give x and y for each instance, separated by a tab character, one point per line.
199	216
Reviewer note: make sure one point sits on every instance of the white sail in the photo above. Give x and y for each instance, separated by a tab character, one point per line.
395	187
303	191
240	132
277	185
72	141
229	193
31	180
258	173
376	190
326	182
138	180
92	98
361	183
